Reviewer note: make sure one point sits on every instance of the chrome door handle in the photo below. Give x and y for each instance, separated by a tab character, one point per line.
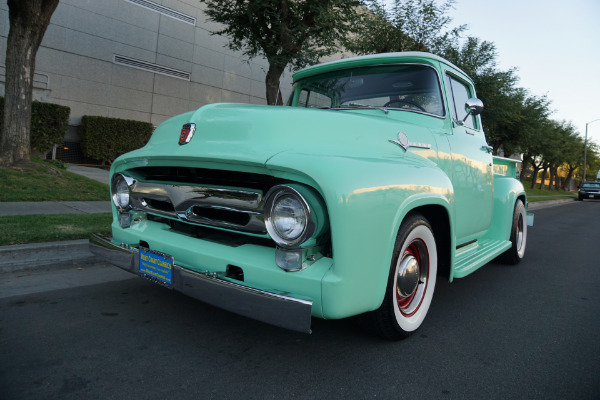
487	148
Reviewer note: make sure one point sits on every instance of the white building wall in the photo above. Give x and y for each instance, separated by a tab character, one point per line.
76	61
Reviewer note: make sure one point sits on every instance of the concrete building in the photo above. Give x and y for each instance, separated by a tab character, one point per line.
138	59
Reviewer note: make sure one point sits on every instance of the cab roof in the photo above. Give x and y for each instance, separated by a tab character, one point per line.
372	59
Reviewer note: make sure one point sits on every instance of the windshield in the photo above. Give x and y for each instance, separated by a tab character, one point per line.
395	87
591	185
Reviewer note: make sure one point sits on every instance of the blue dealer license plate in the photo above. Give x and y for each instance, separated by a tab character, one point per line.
156	266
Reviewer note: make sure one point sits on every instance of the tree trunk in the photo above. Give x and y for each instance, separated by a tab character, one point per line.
552	178
272	83
534	175
543	183
567	182
524	166
557	179
28	22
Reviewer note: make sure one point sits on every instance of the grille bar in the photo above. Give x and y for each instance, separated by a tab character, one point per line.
222	207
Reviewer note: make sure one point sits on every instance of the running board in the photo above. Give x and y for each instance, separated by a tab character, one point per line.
470	258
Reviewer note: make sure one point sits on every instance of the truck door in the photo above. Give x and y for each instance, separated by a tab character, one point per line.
472	171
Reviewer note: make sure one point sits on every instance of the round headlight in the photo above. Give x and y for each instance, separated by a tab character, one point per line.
120	192
287	216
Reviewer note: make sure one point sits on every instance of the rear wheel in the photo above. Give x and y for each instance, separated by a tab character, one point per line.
518	236
411	281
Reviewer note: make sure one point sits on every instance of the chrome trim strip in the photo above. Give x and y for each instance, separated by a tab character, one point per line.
278	309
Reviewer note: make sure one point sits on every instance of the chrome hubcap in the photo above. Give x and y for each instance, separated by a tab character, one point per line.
408	276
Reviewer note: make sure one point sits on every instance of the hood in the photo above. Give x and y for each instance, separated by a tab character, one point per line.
252	134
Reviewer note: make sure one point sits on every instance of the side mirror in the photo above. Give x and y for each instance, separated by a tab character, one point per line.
473	106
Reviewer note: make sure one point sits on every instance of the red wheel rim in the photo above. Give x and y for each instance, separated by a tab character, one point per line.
410	304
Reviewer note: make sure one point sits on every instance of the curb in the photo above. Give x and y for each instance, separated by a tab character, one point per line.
538	205
51	255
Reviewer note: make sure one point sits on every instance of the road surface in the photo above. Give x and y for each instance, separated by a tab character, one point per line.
523	332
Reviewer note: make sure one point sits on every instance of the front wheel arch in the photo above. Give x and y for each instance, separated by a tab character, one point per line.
411	281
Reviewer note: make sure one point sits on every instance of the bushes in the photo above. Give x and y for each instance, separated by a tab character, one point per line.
105	139
102	139
49	124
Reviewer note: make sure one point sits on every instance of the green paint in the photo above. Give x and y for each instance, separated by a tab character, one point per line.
361	184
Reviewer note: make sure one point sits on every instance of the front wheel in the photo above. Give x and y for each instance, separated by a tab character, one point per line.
411	281
518	236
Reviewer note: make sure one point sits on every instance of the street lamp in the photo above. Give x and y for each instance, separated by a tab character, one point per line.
585	148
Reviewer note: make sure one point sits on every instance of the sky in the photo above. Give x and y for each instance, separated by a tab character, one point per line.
555	45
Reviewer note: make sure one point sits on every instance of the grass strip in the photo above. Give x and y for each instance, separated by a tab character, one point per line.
548	198
44	182
49	228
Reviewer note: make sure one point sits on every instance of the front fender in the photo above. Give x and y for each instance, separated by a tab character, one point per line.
367	199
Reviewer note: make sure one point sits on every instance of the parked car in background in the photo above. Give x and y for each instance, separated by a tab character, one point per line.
375	179
589	190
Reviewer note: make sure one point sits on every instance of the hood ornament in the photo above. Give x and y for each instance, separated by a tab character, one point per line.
405	143
187	132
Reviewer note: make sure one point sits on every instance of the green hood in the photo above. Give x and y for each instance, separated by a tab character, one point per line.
251	134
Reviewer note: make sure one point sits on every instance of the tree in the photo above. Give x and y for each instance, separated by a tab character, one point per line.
497	89
410	25
574	157
427	23
292	33
376	33
28	22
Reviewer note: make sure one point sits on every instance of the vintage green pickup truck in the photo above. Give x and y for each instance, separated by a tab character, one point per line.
351	200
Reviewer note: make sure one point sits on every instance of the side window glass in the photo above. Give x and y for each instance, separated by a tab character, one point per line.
312	99
303	98
460	95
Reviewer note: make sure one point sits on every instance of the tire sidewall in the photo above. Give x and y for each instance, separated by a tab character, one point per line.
519	212
421	230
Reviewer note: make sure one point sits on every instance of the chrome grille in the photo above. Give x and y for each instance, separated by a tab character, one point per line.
239	209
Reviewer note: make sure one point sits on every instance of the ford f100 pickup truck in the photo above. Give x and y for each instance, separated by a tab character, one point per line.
374	180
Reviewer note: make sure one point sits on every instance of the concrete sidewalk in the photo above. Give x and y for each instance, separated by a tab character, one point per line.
53	207
97	174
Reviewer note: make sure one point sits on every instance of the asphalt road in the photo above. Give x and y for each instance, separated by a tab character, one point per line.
524	332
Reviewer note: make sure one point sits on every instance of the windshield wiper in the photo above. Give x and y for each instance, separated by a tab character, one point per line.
358	106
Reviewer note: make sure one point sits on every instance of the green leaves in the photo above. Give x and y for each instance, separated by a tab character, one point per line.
285	32
105	139
288	33
409	25
49	123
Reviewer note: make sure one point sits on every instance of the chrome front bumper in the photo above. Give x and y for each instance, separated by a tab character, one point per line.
272	308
